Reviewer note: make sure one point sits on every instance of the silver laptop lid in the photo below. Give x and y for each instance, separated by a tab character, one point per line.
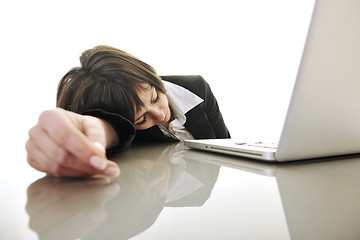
323	118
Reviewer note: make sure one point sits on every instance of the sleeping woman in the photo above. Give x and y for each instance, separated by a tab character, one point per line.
114	100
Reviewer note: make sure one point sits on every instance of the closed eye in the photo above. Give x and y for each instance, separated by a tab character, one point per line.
152	101
142	122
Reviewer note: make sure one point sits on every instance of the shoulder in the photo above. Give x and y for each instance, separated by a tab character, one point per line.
193	83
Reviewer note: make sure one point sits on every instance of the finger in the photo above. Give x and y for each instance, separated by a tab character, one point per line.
42	148
68	135
94	130
51	152
40	161
37	159
112	170
54	169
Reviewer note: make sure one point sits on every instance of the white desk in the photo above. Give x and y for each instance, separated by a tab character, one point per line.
168	192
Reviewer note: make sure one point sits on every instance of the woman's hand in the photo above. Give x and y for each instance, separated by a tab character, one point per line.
64	143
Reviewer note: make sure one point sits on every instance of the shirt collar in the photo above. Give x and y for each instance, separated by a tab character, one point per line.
181	98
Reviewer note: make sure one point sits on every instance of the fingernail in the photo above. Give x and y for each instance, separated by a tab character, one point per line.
99	146
112	171
98	162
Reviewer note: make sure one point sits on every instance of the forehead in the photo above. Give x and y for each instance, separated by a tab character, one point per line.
144	92
144	87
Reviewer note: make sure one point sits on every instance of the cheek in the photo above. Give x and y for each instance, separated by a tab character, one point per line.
138	127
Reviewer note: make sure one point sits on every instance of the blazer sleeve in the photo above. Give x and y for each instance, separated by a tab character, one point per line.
124	129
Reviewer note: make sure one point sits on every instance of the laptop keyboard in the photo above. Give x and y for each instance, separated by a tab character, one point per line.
260	144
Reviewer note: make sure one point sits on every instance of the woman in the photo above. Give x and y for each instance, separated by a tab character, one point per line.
112	101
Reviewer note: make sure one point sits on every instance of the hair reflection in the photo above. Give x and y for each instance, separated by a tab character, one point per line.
152	177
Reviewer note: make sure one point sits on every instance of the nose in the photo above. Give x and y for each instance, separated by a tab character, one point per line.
157	113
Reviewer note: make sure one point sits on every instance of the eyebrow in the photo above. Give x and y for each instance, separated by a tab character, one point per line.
152	94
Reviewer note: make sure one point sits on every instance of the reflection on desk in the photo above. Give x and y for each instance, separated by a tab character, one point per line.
319	199
151	177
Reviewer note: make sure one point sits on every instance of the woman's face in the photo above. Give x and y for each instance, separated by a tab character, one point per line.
156	110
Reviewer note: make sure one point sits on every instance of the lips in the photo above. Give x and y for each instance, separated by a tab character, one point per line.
164	120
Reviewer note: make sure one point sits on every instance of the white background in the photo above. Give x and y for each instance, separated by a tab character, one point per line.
248	51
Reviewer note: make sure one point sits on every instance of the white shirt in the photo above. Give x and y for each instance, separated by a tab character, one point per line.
181	101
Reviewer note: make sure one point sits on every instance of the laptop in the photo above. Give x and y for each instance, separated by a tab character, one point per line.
323	117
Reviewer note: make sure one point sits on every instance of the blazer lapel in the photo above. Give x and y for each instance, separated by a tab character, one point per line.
198	124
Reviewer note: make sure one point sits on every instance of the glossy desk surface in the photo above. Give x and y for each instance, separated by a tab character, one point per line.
170	192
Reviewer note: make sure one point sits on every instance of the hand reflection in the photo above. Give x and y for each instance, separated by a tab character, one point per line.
61	208
151	177
68	208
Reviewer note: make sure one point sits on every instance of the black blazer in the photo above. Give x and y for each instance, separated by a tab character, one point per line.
203	122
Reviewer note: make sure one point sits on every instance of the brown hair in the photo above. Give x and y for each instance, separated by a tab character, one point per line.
107	79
